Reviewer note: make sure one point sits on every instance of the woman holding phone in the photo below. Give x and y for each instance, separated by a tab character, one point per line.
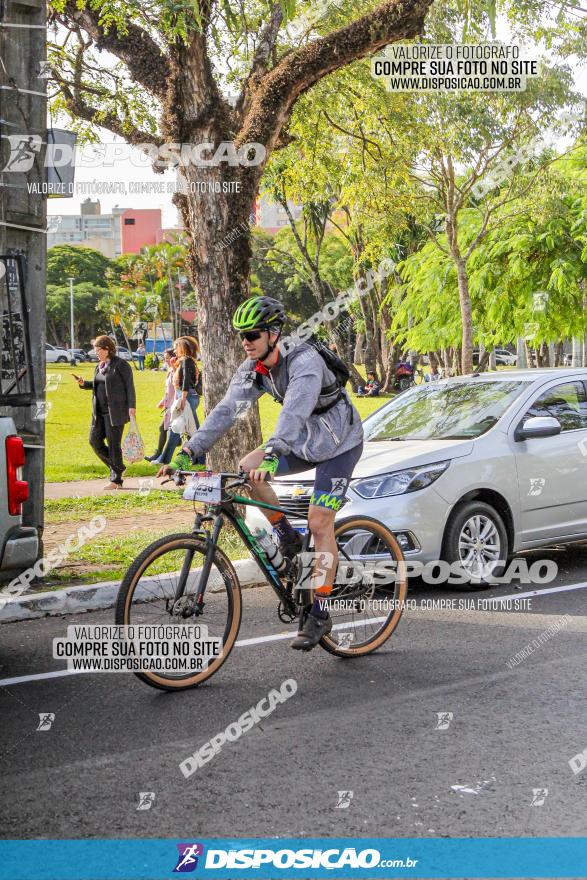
113	404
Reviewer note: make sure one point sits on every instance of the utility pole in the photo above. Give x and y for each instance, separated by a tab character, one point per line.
71	280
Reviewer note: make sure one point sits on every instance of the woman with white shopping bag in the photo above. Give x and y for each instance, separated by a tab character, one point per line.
186	403
113	405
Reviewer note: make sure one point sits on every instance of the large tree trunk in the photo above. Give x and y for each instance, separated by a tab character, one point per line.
221	279
370	348
466	318
521	360
359	343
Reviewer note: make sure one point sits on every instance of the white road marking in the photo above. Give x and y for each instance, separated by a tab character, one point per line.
277	637
40	676
568	587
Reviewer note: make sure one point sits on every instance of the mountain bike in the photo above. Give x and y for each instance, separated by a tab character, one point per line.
189	579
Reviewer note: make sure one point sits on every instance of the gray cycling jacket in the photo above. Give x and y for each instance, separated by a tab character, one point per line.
297	380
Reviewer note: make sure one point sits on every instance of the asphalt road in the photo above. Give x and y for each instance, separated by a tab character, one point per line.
368	726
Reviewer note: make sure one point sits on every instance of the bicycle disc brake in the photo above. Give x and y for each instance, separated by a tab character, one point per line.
182	607
285	615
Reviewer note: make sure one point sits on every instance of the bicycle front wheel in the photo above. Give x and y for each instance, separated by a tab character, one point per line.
370	590
148	595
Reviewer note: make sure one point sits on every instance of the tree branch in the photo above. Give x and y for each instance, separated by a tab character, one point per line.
260	63
146	62
77	106
272	99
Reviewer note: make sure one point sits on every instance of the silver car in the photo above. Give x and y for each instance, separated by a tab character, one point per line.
472	470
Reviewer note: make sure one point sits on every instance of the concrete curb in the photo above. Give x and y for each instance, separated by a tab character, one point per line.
93	597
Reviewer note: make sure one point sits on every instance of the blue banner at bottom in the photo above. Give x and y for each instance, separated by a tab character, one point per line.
308	858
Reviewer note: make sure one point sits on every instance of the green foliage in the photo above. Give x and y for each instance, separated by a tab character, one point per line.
527	278
83	264
335	269
88	317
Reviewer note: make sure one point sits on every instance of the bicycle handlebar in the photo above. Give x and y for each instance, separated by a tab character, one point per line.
240	479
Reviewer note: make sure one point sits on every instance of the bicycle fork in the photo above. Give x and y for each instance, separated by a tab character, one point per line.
211	540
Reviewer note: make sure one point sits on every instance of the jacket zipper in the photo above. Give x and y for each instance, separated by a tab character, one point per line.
331	432
277	394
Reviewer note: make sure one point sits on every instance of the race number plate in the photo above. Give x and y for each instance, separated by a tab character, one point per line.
207	489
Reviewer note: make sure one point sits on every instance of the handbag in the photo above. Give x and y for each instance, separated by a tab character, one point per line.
133	448
182	420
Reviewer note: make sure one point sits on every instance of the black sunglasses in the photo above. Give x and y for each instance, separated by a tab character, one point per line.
251	335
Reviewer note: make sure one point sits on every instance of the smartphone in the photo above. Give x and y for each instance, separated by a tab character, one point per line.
77	378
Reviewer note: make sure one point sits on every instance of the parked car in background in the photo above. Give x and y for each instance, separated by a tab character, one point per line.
125	354
122	352
505	357
471	470
55	355
78	354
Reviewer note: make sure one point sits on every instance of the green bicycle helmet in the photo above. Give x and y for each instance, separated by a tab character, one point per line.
259	313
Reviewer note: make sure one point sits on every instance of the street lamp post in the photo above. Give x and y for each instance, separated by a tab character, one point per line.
71	280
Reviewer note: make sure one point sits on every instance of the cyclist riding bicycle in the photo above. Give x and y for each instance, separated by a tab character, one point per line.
318	427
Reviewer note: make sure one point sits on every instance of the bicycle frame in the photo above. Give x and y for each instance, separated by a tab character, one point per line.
217	513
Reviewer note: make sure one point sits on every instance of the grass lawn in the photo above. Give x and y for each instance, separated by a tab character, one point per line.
68	453
108	558
113	506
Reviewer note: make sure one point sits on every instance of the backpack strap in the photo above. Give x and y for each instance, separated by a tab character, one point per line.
324	392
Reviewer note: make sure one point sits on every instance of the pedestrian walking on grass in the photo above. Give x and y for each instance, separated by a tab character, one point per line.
166	403
113	404
185	379
141	354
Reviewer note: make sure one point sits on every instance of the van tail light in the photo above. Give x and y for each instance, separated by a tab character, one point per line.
18	490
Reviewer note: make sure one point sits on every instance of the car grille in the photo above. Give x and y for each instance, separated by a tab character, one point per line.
296	505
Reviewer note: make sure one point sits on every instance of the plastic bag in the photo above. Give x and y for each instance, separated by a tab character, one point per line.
182	420
133	448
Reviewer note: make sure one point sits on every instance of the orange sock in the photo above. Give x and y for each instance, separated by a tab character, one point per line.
325	590
274	516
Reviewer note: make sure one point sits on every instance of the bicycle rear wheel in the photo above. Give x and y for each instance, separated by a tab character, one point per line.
371	586
147	596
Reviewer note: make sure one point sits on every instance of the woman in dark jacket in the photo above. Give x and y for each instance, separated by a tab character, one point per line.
113	403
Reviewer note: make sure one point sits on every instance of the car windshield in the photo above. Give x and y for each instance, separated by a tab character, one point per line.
456	410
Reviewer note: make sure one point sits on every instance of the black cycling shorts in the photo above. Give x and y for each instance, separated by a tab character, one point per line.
332	476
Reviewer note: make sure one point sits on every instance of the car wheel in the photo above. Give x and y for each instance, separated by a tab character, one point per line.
476	539
61	360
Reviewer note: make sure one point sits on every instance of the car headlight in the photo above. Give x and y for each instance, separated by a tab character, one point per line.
399	482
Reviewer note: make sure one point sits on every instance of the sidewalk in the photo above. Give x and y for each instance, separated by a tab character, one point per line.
92	488
95	597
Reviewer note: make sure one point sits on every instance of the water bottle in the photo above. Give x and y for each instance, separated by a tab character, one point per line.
271	550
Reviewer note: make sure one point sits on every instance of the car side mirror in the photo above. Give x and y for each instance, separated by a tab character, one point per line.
537	426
